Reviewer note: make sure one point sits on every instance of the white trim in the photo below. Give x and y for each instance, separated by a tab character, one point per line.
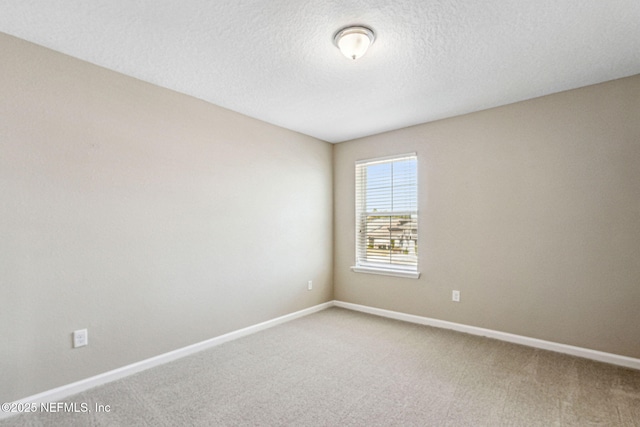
387	158
600	356
397	273
60	393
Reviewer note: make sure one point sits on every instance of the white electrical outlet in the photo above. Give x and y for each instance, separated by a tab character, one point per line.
455	296
310	285
80	338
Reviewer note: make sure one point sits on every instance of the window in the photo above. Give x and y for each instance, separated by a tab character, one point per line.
387	216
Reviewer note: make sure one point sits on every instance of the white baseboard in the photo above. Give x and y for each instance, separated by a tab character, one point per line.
600	356
60	393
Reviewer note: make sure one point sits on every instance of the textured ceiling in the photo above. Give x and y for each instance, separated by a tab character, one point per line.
275	61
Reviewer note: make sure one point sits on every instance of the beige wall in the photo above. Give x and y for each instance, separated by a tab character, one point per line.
531	210
151	218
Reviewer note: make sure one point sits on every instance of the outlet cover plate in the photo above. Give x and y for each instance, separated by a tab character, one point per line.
80	338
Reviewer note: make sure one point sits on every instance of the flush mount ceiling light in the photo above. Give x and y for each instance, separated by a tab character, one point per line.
353	42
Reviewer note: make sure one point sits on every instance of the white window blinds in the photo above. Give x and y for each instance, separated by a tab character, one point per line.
387	213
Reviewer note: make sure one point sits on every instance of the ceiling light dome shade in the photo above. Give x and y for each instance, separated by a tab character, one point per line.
353	42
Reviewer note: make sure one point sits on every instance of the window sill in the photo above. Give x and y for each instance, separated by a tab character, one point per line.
385	272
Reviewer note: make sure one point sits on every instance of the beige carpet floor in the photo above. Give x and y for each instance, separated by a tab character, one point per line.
344	368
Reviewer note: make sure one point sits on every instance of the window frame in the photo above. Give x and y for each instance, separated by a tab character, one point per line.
362	264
